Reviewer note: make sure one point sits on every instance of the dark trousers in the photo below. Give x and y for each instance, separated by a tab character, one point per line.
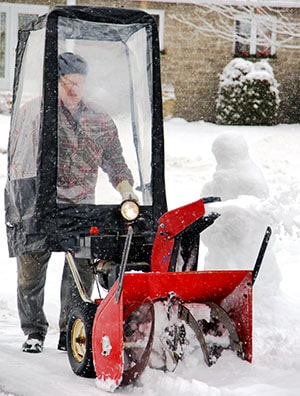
32	270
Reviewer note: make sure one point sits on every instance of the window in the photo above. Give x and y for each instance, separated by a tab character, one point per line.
115	115
26	117
12	18
159	17
255	35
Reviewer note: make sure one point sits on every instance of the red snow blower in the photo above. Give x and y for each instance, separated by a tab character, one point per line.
156	316
154	308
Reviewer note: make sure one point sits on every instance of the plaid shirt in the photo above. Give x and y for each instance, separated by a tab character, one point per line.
87	140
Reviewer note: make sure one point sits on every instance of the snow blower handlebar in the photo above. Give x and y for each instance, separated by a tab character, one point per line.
124	262
261	253
177	222
77	279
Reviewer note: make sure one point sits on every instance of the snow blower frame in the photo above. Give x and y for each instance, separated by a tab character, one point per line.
158	308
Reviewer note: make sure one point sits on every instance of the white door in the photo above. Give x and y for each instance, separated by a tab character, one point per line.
12	18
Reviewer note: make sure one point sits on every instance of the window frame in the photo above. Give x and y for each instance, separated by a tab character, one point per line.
161	26
5	9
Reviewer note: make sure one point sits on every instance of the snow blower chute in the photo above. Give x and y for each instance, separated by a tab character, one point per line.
156	306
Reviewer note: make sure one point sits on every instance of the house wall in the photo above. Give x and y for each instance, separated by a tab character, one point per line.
286	68
193	63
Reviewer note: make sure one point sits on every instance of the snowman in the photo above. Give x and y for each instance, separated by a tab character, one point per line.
233	241
236	173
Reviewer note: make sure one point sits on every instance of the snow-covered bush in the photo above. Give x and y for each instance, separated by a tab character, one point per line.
248	94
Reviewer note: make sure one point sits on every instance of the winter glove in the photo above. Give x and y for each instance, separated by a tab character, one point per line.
126	191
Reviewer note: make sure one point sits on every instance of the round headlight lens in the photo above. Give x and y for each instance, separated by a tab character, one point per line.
130	210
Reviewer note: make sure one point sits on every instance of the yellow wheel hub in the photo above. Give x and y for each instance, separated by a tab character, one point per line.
78	340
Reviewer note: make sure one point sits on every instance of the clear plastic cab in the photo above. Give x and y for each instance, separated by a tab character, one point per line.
86	122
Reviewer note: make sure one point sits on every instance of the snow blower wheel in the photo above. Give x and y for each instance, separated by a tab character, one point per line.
79	340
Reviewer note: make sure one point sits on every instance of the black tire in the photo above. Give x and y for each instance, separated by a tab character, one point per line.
79	340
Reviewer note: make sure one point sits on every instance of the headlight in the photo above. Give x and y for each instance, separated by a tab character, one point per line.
130	210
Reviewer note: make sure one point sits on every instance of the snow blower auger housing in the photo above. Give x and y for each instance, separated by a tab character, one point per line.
86	135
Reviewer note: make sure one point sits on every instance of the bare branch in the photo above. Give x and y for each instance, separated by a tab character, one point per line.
217	20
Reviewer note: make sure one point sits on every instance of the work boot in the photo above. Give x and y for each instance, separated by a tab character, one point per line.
34	343
62	343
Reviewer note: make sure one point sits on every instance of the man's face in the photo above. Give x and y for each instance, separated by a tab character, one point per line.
70	89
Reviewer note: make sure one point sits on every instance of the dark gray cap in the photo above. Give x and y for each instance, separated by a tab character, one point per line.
69	63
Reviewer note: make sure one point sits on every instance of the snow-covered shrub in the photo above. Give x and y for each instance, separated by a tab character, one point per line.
248	94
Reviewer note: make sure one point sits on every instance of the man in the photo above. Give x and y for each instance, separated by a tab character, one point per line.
87	139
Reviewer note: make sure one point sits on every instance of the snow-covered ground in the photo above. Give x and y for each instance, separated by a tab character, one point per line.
269	179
